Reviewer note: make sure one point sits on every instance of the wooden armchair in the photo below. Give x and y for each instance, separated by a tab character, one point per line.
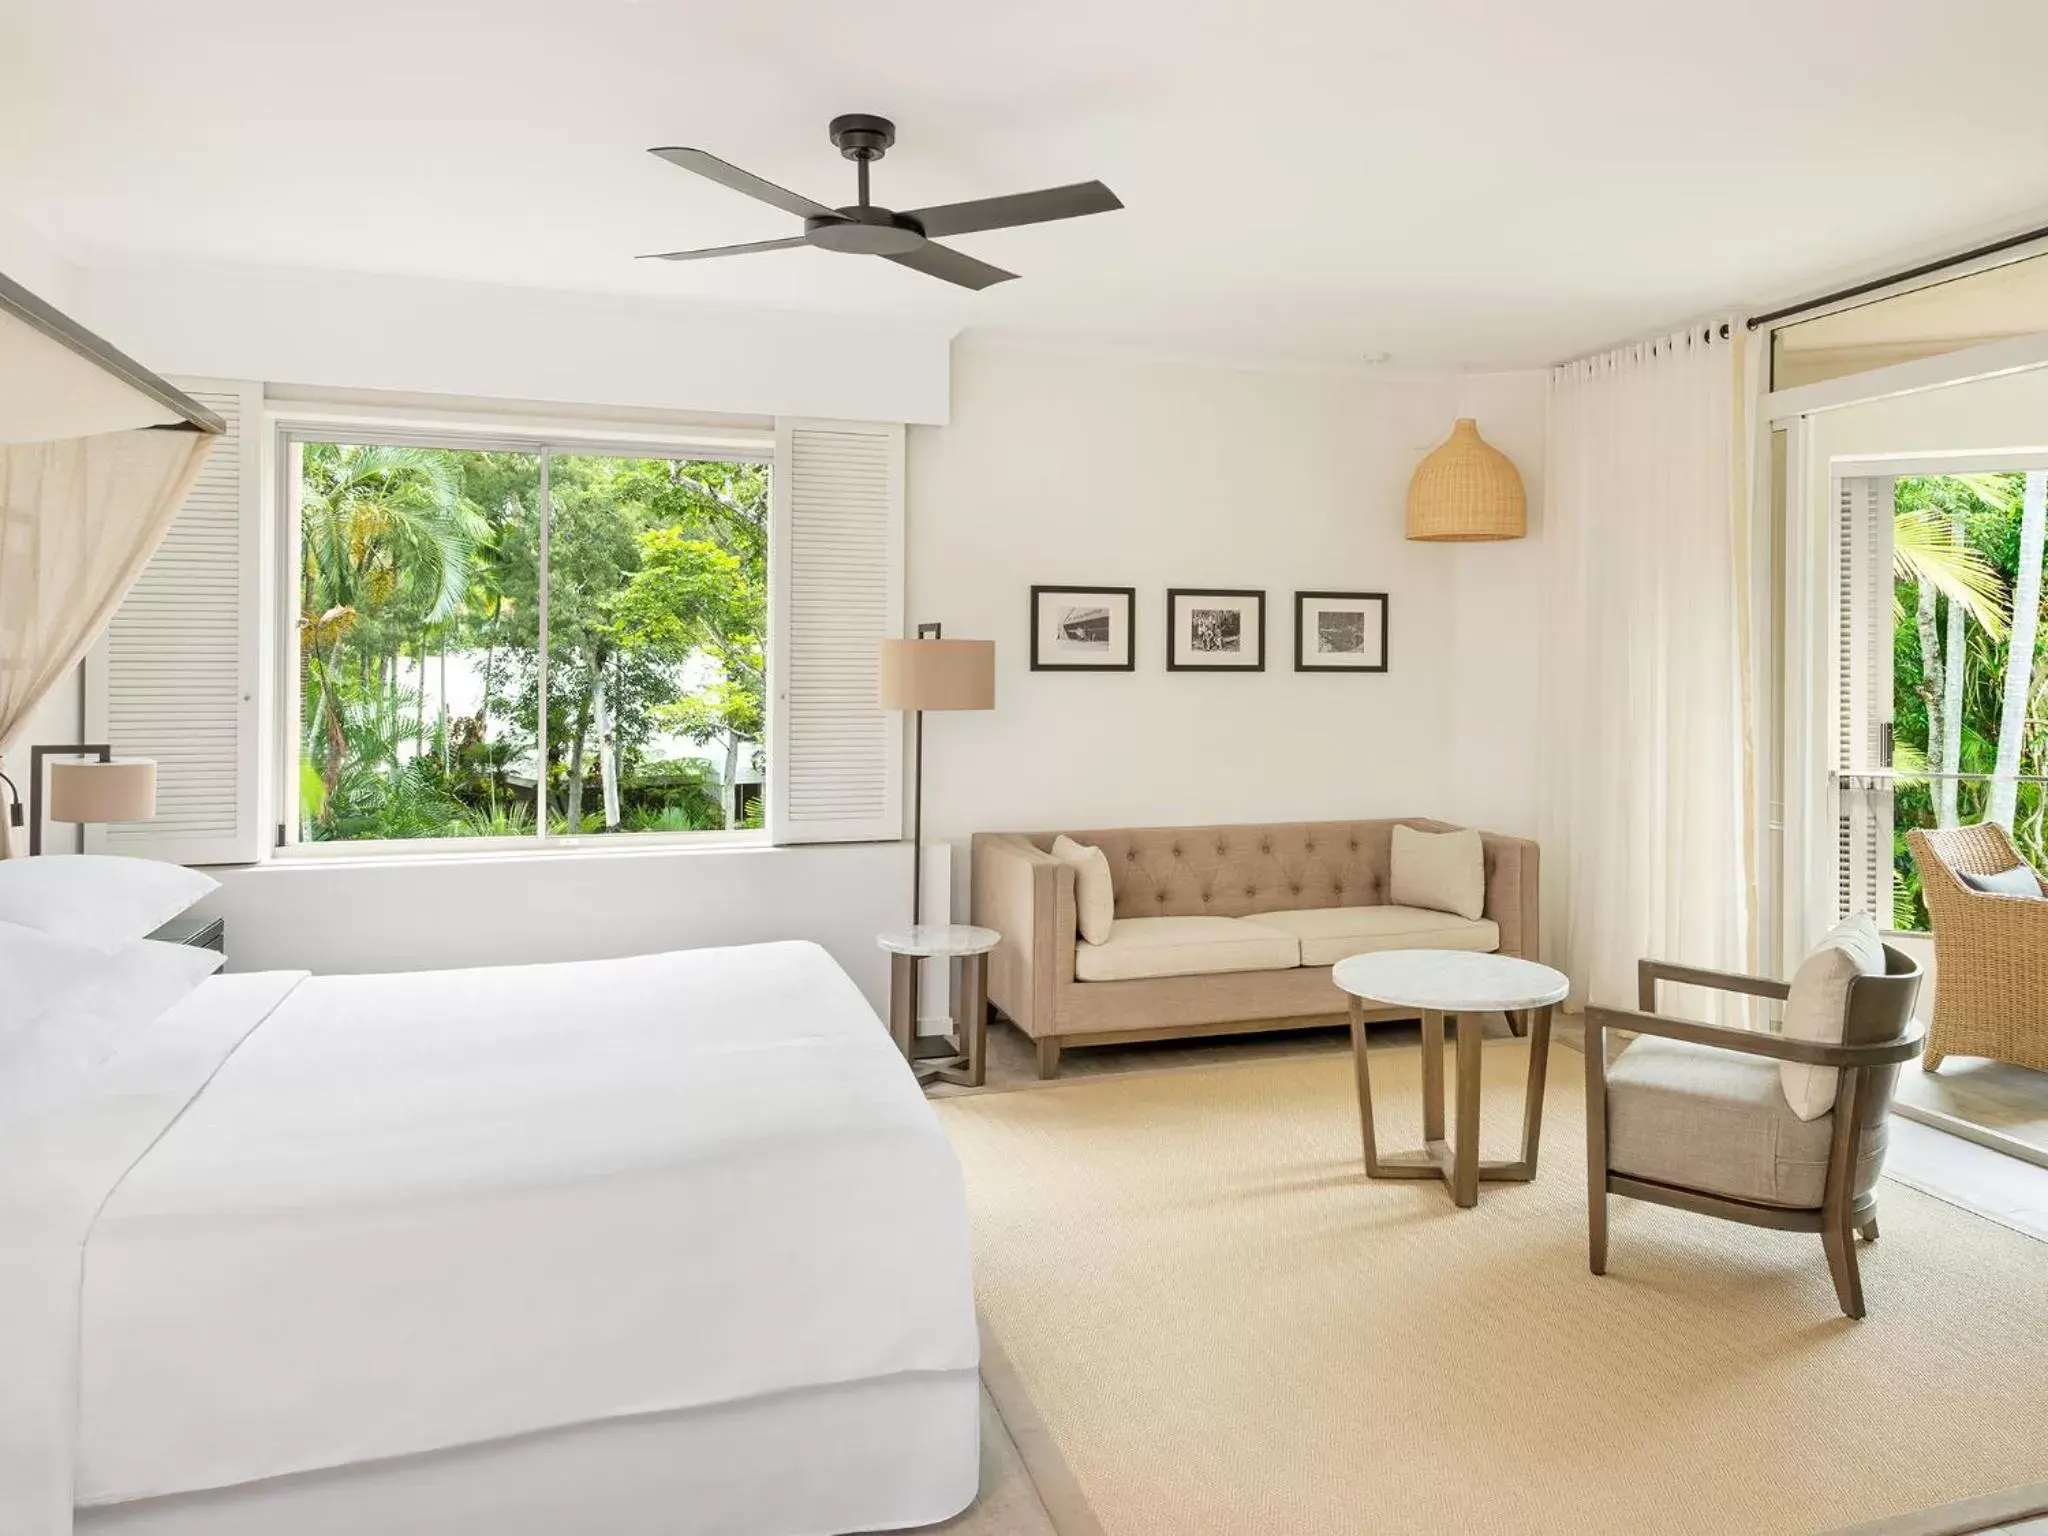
1694	1116
1990	951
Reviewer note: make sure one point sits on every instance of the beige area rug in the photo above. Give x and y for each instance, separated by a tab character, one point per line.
1223	1326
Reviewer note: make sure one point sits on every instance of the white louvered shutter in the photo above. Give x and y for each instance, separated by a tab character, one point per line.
1863	696
175	676
835	758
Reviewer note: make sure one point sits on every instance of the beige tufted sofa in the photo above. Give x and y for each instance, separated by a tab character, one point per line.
1266	910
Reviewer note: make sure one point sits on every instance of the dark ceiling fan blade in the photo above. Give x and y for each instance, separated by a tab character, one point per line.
1018	208
728	250
715	169
943	262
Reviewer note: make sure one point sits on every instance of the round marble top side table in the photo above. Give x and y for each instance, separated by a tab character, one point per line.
1458	984
967	947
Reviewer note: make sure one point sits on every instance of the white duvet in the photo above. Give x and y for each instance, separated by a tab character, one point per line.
385	1214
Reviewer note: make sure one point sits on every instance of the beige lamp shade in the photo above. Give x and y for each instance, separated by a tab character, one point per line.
938	674
1466	489
123	790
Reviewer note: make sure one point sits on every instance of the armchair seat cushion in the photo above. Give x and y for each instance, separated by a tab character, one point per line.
1330	934
1143	947
1716	1121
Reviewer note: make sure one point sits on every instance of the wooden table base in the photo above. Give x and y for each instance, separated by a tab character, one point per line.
1455	1160
965	1058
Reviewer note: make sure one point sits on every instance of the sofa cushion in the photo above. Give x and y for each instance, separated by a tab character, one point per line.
1330	934
1145	947
1094	894
1440	871
1701	1118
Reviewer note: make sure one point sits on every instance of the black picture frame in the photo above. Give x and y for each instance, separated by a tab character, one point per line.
1174	595
1127	595
1301	604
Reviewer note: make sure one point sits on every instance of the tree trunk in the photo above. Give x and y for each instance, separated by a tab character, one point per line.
575	795
607	754
731	793
484	710
1955	671
1931	684
419	725
2019	656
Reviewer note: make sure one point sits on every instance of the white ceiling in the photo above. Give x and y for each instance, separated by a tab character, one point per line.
1457	183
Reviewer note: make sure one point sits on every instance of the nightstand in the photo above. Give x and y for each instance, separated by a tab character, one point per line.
199	932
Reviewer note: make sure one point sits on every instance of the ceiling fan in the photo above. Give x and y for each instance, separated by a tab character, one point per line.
867	229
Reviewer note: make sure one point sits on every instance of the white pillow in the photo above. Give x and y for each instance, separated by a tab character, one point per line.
37	972
1816	1009
1439	871
1094	895
46	1061
96	899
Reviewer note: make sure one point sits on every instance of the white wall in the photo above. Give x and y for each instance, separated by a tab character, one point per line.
34	263
346	330
1107	469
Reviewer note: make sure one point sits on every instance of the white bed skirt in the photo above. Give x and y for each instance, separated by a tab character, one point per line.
899	1451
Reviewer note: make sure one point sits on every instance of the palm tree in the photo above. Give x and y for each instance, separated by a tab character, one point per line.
385	535
1931	549
2019	656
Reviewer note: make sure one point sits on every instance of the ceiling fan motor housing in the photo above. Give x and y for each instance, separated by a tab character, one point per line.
862	135
864	231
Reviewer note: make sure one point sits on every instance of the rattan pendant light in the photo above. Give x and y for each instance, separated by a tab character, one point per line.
1466	489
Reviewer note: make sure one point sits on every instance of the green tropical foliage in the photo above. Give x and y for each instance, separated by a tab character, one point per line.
1970	672
422	565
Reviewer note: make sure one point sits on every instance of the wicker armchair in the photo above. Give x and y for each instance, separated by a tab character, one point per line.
1990	952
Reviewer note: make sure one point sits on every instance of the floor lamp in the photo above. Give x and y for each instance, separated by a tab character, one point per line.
933	673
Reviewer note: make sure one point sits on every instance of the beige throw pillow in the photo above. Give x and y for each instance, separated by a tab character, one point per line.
1815	1010
1439	871
1094	896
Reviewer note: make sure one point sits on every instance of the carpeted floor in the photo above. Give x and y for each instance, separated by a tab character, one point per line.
1222	1326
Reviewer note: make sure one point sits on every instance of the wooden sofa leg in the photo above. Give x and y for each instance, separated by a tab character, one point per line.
1048	1056
1867	1229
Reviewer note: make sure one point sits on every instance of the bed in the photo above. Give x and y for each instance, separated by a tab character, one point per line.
670	1243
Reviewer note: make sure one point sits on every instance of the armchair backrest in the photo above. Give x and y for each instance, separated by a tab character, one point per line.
1879	1011
1941	852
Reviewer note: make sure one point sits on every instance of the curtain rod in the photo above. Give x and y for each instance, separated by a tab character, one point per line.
1925	269
61	328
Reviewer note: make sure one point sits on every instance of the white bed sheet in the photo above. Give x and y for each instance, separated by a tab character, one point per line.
422	1211
884	1455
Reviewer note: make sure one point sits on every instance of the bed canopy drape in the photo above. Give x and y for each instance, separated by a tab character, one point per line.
96	457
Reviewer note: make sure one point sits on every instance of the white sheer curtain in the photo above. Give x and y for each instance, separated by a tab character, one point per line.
1644	844
79	519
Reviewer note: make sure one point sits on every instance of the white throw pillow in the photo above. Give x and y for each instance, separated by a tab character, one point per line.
1439	871
1816	1008
96	899
1094	895
45	1062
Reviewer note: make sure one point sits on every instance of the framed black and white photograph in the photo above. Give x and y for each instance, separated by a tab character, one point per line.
1083	629
1340	631
1215	631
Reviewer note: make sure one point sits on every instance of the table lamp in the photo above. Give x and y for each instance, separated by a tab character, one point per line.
931	672
94	785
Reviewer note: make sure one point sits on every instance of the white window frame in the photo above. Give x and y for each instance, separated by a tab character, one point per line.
1806	882
286	426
